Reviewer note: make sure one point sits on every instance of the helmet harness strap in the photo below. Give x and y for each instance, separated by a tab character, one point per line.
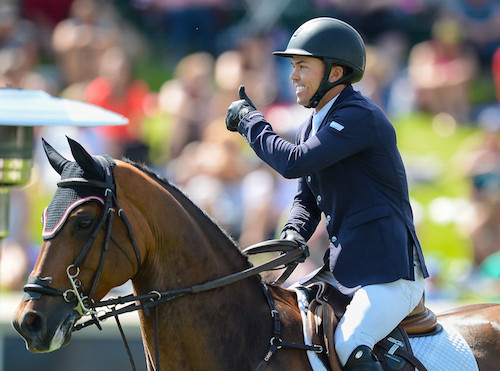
326	85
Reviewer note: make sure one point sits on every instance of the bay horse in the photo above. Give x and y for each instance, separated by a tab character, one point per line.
178	261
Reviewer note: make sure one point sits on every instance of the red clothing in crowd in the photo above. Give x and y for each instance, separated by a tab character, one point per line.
130	104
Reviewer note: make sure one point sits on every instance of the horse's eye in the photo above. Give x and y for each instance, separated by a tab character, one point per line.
84	223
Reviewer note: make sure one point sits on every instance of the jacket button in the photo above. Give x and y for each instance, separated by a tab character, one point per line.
328	218
308	179
334	239
318	198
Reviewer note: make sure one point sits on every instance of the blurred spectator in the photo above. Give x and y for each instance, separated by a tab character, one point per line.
250	64
46	15
384	60
187	99
495	68
442	70
258	68
480	22
188	26
261	211
19	47
483	168
374	18
80	41
14	265
17	32
211	172
491	268
118	90
228	75
16	252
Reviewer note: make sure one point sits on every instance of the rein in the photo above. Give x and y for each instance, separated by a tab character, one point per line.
36	286
291	252
154	298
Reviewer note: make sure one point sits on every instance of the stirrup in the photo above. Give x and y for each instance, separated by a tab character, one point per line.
363	359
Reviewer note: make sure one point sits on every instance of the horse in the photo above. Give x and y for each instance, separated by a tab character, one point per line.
112	221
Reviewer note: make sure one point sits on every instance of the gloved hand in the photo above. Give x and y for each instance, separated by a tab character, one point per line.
293	235
238	109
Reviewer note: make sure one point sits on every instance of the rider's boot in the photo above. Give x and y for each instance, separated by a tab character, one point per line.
363	359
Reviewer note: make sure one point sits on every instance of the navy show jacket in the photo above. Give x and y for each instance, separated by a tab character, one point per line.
351	171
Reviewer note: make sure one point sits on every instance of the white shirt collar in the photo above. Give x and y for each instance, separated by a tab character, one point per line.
318	117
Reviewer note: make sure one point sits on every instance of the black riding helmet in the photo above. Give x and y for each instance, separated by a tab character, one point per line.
336	43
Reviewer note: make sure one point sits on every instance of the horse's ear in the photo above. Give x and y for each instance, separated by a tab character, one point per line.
55	159
85	160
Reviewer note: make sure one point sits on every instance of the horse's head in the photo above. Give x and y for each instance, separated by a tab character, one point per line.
83	241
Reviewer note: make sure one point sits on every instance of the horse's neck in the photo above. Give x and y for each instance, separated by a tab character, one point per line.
188	247
200	330
179	244
185	248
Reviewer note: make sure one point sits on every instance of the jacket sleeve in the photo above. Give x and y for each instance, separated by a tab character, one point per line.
276	152
304	215
333	143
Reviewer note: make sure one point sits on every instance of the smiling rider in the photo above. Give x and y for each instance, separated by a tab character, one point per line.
349	169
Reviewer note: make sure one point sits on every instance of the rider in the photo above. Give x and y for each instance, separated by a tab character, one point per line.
349	168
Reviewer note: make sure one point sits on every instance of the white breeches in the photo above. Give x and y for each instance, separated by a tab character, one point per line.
375	310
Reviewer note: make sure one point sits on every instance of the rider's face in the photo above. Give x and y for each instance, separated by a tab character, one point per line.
306	77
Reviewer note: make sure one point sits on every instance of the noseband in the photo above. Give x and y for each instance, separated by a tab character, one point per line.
37	286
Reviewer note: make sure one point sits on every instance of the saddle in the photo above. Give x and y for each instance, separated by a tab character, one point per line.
328	305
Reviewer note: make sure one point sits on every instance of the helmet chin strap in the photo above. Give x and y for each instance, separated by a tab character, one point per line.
326	85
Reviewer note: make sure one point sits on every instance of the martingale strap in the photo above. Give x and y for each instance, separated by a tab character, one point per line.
276	341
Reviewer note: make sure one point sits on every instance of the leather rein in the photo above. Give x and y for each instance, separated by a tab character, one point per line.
36	286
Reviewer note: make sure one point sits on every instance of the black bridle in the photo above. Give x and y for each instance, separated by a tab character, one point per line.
37	286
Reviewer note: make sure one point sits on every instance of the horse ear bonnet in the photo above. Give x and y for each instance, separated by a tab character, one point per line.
68	197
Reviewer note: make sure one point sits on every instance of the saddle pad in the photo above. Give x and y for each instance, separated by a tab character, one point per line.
316	363
446	351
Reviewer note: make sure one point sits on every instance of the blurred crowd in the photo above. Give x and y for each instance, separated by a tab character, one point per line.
422	56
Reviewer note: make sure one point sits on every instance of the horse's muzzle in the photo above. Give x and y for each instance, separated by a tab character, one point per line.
39	333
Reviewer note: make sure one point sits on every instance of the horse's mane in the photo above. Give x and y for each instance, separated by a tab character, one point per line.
184	199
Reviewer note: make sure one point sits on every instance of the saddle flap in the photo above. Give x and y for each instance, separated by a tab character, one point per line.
322	323
329	324
314	319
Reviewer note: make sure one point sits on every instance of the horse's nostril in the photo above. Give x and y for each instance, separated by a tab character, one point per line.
33	323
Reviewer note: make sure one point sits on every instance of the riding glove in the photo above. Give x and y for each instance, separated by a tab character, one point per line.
238	109
293	235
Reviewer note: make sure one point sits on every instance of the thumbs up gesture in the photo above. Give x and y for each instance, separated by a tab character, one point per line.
238	109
